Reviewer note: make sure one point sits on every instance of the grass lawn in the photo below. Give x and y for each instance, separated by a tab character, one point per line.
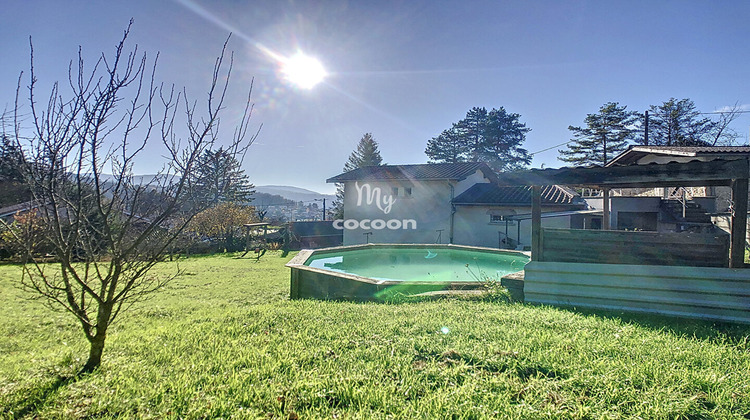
225	341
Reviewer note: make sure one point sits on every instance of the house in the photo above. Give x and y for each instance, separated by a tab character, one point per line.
671	209
696	275
405	203
497	216
457	203
7	214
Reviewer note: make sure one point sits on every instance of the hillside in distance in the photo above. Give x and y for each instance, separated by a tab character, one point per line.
294	193
262	196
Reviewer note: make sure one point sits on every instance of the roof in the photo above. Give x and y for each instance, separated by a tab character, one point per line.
546	214
496	195
674	174
635	153
11	210
422	172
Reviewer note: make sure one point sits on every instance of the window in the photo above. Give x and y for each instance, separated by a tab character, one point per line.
401	191
501	216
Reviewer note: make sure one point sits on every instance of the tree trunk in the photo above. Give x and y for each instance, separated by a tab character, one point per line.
95	353
97	340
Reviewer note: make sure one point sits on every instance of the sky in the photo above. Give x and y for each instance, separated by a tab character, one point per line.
401	70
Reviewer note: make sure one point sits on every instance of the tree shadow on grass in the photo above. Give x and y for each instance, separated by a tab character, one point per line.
719	332
37	397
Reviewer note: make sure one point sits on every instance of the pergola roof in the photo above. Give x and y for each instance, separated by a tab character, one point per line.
732	173
634	153
673	174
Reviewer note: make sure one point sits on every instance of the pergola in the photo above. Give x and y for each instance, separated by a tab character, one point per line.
732	173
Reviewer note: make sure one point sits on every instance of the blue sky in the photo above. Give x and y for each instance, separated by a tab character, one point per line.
404	70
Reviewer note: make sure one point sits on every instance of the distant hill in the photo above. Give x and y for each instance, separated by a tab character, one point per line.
263	199
263	194
293	193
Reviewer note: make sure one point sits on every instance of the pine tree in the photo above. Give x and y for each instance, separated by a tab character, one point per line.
11	158
448	147
219	179
493	137
503	136
366	154
472	130
678	123
606	134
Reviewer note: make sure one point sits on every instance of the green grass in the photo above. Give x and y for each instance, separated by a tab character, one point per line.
225	341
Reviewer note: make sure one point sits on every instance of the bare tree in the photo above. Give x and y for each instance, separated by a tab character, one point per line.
108	232
722	134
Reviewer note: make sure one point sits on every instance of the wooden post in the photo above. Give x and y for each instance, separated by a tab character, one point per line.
536	222
739	223
605	209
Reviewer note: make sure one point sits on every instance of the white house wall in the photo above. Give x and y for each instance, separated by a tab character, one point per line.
463	185
429	205
472	225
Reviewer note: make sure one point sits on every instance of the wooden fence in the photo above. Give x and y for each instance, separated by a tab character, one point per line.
719	294
626	247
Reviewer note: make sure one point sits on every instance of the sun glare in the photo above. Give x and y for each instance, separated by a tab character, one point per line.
303	71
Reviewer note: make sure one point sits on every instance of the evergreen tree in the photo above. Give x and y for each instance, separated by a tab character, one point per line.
11	158
606	134
678	123
366	154
218	178
448	147
501	145
472	130
493	137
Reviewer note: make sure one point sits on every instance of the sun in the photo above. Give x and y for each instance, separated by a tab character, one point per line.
303	71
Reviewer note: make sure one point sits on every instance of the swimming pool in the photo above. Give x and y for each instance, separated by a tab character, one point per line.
375	271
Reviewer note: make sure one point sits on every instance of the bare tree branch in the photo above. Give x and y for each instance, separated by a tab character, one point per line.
107	233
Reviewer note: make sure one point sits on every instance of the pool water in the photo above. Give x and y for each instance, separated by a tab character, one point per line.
420	264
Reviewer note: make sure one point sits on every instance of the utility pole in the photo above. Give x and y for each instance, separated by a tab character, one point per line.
645	137
324	207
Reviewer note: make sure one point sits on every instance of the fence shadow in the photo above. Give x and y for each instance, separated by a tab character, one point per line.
725	332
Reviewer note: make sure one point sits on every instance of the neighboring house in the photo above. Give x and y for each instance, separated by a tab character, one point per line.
462	203
671	209
499	217
447	203
414	199
8	213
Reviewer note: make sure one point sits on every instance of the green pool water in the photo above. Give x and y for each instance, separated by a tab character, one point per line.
420	264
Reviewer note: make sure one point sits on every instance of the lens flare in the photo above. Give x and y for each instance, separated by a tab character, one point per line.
303	71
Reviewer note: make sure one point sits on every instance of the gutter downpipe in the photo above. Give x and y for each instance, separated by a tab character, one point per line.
453	212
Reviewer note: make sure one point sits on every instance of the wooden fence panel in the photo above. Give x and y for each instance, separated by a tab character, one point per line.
719	294
640	248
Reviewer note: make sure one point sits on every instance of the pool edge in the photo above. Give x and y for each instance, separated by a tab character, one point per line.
316	283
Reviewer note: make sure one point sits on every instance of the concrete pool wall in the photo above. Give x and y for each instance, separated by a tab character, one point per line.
317	283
